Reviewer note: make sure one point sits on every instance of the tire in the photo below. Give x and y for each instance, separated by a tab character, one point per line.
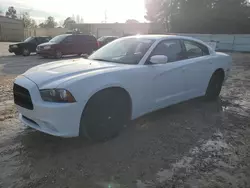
26	52
215	85
17	53
105	115
58	54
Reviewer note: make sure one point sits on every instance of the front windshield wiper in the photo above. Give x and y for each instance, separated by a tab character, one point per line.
101	60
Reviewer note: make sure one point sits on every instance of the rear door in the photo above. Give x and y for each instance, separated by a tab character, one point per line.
89	44
198	68
81	44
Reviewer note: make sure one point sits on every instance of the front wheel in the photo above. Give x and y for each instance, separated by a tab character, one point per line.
17	53
58	54
105	115
26	52
214	86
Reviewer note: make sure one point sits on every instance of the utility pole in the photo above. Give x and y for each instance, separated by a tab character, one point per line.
105	16
169	17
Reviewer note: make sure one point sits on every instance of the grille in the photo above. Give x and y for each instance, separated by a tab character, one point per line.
22	97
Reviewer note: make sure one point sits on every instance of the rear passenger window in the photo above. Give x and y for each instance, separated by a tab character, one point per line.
194	49
86	38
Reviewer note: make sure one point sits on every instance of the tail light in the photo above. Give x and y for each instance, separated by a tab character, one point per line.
98	44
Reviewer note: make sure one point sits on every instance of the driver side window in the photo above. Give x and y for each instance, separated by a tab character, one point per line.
69	39
170	48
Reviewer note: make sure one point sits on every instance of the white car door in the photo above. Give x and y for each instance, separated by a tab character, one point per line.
167	80
198	68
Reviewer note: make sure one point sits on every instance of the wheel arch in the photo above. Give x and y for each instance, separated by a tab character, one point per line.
219	71
114	88
216	71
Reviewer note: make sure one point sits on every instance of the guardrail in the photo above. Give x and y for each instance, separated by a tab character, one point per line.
237	43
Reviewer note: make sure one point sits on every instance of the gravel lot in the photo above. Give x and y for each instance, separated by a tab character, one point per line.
192	144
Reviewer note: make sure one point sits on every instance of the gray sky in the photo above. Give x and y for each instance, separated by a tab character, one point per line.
90	10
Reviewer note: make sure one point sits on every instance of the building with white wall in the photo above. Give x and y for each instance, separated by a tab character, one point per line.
11	29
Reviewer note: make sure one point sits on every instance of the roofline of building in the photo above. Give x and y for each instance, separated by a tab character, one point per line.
10	18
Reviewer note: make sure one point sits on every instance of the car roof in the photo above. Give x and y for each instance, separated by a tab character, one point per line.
42	37
109	36
158	37
162	37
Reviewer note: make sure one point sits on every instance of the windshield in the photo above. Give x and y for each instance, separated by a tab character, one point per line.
29	39
124	51
58	38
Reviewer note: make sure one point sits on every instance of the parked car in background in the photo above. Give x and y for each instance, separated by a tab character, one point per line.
68	44
123	80
102	41
27	46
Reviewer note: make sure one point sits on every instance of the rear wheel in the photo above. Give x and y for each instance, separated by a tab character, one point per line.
26	52
215	85
105	115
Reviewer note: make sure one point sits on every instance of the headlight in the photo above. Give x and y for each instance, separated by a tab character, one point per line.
46	47
57	95
14	46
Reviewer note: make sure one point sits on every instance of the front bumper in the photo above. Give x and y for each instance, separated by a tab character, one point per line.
46	52
58	119
17	50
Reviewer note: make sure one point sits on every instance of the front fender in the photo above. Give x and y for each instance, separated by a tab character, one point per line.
83	89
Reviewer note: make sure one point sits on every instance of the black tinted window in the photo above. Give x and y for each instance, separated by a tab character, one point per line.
46	39
42	39
86	38
194	49
170	48
58	38
68	39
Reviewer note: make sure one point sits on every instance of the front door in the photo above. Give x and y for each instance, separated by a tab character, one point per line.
33	44
68	45
168	80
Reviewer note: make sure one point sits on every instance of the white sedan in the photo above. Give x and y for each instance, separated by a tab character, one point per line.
125	79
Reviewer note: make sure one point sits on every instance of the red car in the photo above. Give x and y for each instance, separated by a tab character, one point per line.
68	44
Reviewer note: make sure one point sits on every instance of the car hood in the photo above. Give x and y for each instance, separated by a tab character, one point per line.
46	44
19	43
54	73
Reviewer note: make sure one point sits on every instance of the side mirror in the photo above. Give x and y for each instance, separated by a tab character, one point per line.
159	59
